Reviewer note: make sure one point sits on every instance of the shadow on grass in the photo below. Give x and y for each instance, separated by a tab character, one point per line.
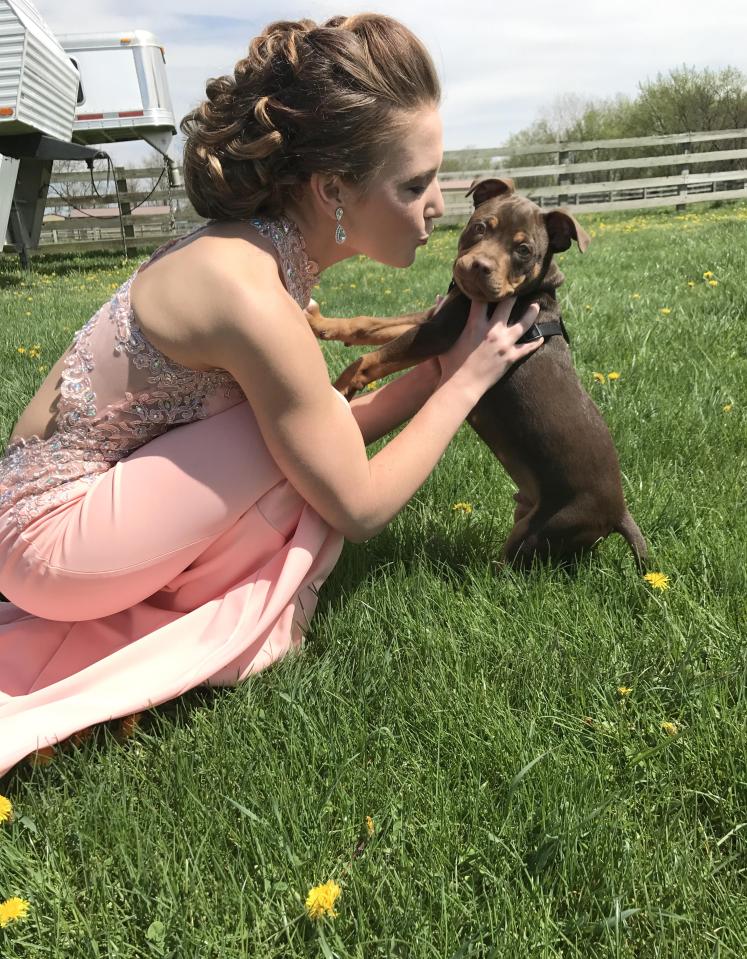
65	264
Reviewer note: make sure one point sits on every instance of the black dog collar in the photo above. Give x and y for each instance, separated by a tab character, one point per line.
551	328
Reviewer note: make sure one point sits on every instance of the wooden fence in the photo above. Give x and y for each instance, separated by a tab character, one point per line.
633	173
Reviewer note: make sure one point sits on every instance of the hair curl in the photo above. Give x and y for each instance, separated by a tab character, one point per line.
307	98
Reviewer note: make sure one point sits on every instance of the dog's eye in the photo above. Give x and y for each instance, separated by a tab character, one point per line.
523	249
478	229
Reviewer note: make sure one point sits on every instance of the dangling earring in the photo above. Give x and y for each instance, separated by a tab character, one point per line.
340	234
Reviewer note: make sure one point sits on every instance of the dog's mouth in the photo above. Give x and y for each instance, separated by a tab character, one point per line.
481	287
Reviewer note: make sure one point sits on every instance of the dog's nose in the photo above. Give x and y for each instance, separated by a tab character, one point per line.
480	266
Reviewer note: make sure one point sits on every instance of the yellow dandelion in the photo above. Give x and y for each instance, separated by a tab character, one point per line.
671	729
13	909
463	507
588	306
728	407
713	282
657	580
21	349
707	275
624	690
373	385
6	809
321	899
353	286
614	375
665	311
691	282
635	296
370	825
599	377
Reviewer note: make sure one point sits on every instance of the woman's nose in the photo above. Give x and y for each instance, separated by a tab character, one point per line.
436	201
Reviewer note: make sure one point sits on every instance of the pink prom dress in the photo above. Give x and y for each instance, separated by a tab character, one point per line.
150	544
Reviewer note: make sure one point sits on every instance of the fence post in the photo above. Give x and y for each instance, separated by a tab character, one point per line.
681	207
562	178
125	209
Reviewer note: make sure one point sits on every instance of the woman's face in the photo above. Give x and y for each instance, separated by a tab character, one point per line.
395	215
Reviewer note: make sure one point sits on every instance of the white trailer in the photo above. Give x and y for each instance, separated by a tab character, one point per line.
124	91
58	98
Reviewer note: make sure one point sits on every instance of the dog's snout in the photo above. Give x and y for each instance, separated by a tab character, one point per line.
481	266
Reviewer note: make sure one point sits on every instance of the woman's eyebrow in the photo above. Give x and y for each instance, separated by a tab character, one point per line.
422	176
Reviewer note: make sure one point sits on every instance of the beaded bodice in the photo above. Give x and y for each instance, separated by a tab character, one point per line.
117	392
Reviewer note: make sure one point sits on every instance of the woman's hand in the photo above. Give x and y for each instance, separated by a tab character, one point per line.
487	348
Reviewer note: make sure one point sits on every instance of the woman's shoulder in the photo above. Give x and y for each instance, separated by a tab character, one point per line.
180	299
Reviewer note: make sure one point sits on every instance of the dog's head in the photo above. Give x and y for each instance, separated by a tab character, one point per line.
507	246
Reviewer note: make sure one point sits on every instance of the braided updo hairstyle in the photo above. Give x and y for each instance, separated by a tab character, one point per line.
307	98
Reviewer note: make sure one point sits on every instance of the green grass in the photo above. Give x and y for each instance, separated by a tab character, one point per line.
521	805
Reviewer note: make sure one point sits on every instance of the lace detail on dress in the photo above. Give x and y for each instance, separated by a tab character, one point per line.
300	272
36	475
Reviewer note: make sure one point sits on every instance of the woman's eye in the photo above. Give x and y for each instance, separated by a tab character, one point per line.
523	249
417	190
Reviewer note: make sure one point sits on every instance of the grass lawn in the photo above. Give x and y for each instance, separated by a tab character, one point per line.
537	765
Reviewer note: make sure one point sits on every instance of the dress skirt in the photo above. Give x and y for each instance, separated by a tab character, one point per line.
193	561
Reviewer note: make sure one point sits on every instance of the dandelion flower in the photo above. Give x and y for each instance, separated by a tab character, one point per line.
707	275
635	296
321	899
370	825
665	311
21	349
624	690
614	375
373	385
13	909
671	729
657	580
691	282
728	407
463	507
599	377
6	809
713	282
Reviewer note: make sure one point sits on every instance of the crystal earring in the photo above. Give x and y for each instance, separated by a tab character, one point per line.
340	234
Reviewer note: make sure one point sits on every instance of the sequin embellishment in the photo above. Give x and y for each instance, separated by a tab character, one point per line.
37	475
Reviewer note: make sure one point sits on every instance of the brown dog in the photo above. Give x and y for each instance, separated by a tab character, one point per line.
538	419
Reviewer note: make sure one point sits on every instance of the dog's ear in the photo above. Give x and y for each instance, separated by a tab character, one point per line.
486	189
562	228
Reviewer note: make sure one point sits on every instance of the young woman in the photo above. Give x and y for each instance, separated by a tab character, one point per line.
177	491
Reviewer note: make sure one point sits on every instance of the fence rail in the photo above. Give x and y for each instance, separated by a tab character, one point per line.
81	214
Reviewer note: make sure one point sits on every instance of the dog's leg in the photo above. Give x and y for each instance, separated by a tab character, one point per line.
363	330
418	343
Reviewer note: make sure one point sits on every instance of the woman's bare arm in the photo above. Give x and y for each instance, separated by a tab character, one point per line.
380	411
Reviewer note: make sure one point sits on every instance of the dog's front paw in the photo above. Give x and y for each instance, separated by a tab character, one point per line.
353	379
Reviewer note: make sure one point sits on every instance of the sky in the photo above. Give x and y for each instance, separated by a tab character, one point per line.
501	65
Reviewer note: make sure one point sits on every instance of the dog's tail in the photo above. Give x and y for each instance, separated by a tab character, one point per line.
628	528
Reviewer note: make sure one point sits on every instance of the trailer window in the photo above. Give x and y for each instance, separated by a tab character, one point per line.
81	98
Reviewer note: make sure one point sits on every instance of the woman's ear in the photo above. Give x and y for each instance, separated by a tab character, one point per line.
326	191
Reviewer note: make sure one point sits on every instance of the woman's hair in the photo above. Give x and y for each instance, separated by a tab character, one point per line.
307	98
